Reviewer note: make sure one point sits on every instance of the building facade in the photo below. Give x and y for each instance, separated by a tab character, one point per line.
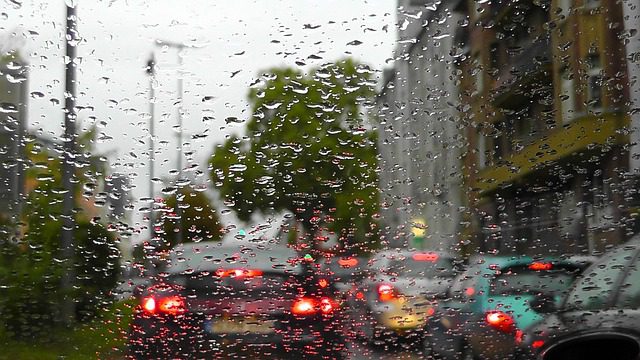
548	158
419	140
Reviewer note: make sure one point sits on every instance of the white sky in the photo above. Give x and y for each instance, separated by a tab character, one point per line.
239	35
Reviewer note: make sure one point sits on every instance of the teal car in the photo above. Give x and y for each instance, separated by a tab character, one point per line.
490	302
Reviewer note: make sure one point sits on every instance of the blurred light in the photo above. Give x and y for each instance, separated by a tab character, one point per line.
327	305
519	336
500	321
429	256
323	283
149	304
537	266
348	262
386	292
303	306
537	344
172	305
469	291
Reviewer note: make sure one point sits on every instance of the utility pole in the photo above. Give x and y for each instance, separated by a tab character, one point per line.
179	235
151	72
68	167
179	47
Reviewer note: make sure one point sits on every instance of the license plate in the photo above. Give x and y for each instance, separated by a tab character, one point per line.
241	326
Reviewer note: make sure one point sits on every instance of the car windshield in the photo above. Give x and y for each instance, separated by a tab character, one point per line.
331	167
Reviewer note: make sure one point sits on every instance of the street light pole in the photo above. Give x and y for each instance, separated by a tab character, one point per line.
68	167
151	72
179	235
179	90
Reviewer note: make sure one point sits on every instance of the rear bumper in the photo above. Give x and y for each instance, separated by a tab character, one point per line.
182	336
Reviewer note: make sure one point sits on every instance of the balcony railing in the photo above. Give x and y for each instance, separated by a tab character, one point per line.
528	62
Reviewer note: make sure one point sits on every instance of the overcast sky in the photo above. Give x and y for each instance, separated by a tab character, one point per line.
233	41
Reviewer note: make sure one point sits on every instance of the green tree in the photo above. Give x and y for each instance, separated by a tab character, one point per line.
31	264
307	150
200	221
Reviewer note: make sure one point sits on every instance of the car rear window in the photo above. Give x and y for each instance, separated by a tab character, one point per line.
265	284
441	267
531	280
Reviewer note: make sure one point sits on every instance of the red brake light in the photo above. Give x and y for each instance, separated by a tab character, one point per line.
537	344
327	305
386	292
519	337
149	304
348	262
323	283
429	256
537	266
469	291
304	306
238	273
500	321
172	305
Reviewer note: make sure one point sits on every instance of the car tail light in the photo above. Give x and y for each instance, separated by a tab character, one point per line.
386	292
537	344
327	306
500	321
172	305
238	273
427	256
306	306
538	266
149	304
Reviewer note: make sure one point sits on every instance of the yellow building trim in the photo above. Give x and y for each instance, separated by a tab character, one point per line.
561	143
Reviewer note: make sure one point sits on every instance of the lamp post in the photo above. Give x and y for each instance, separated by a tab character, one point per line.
179	47
68	167
152	74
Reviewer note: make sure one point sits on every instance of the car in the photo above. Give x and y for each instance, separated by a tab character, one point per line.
489	303
599	317
214	295
344	271
395	299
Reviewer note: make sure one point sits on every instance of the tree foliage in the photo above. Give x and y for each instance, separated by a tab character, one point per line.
31	263
307	150
200	221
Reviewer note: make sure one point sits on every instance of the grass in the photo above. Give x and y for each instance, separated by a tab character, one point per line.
102	338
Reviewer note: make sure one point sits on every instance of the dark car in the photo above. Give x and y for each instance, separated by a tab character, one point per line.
213	296
599	318
395	300
344	272
489	303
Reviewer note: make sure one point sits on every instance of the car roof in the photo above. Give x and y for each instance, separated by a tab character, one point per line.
501	261
408	253
211	256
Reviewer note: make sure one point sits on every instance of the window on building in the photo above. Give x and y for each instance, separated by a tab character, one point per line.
567	94
594	82
478	73
494	59
564	9
482	151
